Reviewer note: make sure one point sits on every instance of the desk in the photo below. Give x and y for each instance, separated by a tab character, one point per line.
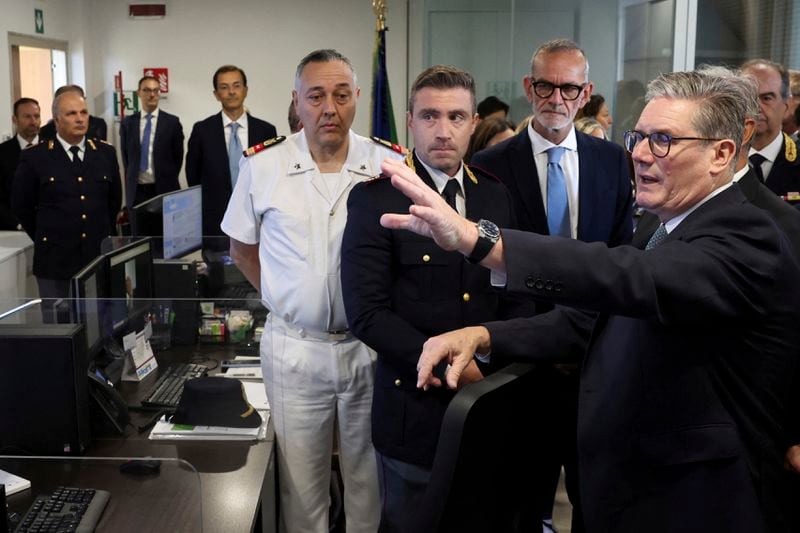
237	479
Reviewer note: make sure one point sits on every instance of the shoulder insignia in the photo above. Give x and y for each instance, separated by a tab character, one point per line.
103	141
376	179
260	147
391	146
90	142
471	175
50	144
790	150
410	162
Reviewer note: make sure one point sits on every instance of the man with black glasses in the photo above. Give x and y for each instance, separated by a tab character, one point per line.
564	183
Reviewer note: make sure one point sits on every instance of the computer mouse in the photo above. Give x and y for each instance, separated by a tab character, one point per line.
140	467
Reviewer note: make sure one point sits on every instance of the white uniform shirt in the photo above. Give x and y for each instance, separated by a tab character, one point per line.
281	203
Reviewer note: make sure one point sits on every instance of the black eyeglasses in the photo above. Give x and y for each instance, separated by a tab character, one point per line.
660	143
569	91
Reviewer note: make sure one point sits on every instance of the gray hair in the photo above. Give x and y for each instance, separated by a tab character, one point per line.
561	45
57	101
722	102
749	84
777	67
322	56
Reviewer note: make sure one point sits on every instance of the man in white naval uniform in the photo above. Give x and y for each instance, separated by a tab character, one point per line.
286	218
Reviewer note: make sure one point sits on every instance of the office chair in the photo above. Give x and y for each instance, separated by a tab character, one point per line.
482	459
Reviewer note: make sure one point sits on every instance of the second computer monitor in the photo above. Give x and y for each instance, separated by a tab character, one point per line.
182	222
130	273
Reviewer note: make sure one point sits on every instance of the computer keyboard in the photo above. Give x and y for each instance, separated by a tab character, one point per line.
166	393
66	510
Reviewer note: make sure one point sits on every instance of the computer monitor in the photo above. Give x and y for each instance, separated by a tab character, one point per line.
146	218
130	274
89	291
182	222
175	216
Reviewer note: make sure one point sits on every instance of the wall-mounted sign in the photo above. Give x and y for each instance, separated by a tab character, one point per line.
38	17
126	104
162	75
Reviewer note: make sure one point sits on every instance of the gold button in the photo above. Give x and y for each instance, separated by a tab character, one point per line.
83	216
466	297
397	383
80	178
44	239
426	258
52	178
83	235
83	197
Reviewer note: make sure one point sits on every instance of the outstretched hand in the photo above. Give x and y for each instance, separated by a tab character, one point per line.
429	216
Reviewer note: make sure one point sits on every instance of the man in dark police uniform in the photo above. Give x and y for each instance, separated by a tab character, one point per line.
66	195
399	288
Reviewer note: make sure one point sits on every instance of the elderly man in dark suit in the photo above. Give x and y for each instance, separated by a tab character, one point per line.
685	385
152	147
216	145
399	289
27	119
66	195
592	177
773	153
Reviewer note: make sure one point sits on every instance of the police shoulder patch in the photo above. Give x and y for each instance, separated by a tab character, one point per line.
790	150
391	146
260	147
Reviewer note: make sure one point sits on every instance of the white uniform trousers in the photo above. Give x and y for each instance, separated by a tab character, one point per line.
311	385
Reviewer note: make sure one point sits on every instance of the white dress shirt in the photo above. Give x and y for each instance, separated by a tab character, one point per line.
770	153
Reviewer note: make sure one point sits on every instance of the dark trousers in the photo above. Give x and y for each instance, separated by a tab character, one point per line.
402	489
52	292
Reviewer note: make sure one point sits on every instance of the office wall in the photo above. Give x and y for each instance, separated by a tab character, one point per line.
63	21
266	38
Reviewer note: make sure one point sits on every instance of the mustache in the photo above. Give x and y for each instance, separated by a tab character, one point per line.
442	146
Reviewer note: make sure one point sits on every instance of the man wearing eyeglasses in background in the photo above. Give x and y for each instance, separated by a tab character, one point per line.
565	183
152	147
685	384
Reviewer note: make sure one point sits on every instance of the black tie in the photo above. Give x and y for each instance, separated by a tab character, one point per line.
756	160
450	192
77	164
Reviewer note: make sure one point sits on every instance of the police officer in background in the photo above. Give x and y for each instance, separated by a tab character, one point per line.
66	195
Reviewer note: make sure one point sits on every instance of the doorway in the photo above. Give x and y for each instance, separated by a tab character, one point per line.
38	68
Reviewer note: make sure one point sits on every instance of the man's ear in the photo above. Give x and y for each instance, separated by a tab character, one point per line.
724	153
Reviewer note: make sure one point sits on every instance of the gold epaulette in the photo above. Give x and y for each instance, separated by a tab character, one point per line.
790	150
391	146
260	147
50	144
470	174
90	142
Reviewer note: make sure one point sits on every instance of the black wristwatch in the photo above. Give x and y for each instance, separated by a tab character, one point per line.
488	235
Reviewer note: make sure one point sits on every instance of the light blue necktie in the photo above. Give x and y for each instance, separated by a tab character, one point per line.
234	153
557	203
145	155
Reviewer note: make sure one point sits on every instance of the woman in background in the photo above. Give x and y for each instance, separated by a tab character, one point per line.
597	109
488	132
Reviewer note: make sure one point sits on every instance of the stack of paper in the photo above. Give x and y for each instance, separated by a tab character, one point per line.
164	430
13	483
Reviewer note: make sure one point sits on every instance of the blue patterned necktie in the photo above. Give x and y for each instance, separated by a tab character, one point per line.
557	203
234	153
657	237
144	157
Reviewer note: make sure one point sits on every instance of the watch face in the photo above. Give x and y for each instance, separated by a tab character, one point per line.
489	230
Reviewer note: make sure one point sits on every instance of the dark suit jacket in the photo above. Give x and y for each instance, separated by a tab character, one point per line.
67	213
167	153
604	188
207	165
399	289
687	377
784	176
97	130
9	159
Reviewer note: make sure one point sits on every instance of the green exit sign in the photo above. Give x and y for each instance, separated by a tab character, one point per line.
38	16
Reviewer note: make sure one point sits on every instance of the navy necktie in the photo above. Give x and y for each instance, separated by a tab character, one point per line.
450	192
77	164
756	160
234	153
144	157
657	238
557	203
